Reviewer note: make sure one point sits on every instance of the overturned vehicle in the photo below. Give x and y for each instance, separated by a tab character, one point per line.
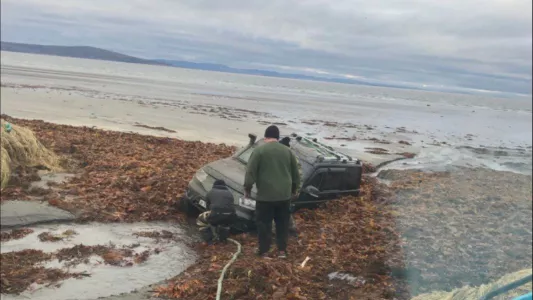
326	175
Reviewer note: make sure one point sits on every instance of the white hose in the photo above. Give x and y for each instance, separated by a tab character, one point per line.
219	287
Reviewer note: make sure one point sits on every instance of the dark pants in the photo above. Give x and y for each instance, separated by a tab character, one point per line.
215	224
222	217
265	213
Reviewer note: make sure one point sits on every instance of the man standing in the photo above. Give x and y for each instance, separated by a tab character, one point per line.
273	168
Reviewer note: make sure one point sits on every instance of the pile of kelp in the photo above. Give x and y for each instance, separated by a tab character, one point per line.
119	176
347	249
350	247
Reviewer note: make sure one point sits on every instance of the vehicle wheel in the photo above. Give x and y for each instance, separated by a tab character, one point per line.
242	226
188	208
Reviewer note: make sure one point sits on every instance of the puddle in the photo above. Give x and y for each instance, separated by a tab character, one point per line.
106	280
52	178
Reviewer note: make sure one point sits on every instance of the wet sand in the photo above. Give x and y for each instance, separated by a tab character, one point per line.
69	108
192	122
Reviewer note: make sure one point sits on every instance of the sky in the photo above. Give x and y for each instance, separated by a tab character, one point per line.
482	46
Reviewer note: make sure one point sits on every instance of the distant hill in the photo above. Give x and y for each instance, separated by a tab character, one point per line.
101	54
224	68
75	51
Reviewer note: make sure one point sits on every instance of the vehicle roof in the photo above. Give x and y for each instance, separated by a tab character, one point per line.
312	151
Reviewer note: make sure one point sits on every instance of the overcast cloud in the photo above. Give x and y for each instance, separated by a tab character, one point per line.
470	44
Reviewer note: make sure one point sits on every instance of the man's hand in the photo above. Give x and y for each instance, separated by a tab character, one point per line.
247	195
294	196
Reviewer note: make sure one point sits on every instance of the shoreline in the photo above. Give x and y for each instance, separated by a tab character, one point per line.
458	121
191	122
215	123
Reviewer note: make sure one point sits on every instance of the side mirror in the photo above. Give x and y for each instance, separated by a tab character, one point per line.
312	191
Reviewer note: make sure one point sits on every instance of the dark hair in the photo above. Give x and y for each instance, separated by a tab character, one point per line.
272	132
219	182
286	141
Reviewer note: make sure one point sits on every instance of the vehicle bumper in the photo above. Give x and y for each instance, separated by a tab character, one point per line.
193	196
245	217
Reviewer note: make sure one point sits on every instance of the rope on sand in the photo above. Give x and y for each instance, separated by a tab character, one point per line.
508	287
221	278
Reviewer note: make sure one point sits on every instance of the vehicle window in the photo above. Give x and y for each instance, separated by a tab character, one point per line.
316	181
334	181
338	181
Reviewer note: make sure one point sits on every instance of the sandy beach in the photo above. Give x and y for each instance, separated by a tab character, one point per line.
451	196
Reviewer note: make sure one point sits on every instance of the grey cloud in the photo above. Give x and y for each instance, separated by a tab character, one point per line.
468	43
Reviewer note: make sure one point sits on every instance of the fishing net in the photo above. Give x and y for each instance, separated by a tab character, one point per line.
20	147
475	293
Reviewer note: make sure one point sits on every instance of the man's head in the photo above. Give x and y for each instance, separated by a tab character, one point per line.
286	141
219	183
272	132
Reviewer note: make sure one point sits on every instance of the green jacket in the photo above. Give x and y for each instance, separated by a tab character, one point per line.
273	168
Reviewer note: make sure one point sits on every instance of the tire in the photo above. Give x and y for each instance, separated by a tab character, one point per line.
187	208
242	226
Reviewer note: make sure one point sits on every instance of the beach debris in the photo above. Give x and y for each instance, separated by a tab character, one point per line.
357	281
333	137
154	128
7	127
379	151
50	237
404	130
330	123
164	234
469	292
142	257
407	154
69	233
310	123
302	265
378	141
21	149
110	255
21	269
15	234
